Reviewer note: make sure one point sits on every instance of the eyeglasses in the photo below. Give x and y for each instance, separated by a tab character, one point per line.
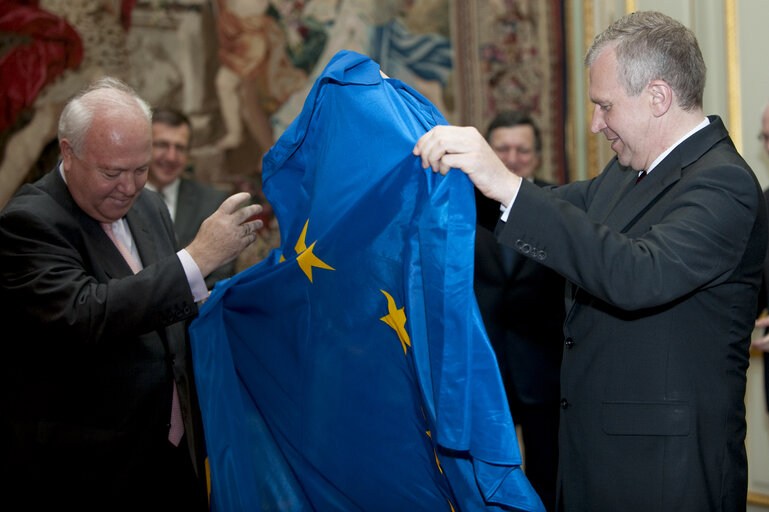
164	145
521	150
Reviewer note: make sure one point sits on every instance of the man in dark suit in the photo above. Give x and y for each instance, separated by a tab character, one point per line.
521	302
763	342
99	410
189	201
664	276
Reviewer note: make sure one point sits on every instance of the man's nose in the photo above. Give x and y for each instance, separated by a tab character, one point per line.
597	123
171	152
508	156
127	183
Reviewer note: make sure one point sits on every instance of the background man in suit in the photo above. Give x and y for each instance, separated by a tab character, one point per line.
664	277
189	201
93	298
763	343
521	302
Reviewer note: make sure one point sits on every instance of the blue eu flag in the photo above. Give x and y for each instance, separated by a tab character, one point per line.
350	369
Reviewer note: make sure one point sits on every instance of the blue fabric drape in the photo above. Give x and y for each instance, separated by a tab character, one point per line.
350	369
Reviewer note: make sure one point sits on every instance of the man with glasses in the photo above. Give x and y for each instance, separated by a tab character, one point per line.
763	343
189	201
764	135
521	302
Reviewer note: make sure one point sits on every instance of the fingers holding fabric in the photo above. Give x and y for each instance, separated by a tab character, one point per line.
464	148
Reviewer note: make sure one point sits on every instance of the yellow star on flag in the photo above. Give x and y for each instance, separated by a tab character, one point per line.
306	258
396	318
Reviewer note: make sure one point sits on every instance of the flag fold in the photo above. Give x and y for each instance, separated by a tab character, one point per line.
350	369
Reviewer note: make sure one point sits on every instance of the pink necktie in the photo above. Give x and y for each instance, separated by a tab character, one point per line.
177	424
107	227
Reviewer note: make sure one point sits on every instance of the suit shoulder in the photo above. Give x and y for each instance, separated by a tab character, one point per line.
723	163
202	189
32	200
149	199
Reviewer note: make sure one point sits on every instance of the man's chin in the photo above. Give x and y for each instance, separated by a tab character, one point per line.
623	160
119	208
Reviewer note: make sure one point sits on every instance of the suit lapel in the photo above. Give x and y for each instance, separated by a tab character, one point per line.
185	218
625	188
637	199
139	222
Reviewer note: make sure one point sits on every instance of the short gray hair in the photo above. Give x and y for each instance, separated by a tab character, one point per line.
102	95
652	46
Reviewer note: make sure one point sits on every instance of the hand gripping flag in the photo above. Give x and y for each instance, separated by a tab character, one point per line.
350	370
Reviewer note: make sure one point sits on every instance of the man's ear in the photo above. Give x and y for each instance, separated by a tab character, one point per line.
66	152
661	97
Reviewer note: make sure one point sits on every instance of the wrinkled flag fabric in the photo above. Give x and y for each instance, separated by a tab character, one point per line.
350	369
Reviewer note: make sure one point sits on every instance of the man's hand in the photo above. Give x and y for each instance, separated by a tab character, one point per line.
446	147
225	234
763	342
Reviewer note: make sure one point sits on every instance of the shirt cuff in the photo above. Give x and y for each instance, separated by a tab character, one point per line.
506	209
194	276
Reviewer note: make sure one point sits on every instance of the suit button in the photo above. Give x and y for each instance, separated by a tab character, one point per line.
564	403
569	342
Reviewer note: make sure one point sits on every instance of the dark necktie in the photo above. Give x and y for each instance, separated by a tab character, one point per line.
640	177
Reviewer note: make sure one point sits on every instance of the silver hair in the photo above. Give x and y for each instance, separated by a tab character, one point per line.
652	46
101	96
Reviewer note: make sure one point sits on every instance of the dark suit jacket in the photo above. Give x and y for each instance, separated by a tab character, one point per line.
195	203
90	349
523	312
666	275
763	303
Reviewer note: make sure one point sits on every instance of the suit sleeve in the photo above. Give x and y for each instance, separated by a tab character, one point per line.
697	242
54	278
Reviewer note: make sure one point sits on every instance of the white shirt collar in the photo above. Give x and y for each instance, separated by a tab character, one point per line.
170	195
665	153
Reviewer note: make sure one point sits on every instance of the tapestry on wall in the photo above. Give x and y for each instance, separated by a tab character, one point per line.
241	69
510	55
